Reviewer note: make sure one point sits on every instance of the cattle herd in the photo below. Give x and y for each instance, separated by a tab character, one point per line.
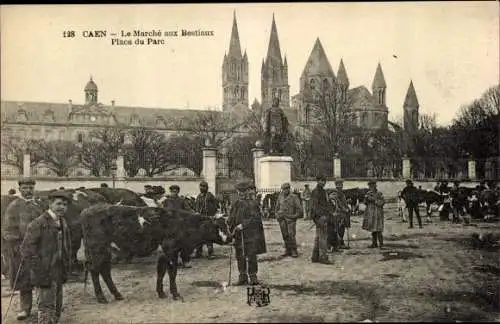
109	221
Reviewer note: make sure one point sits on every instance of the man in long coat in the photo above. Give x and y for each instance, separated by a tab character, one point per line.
321	214
245	220
19	213
47	250
342	217
373	220
207	205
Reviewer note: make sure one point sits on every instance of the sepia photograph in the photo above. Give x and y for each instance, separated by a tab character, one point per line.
250	162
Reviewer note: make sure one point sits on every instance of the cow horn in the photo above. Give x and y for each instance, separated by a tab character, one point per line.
119	203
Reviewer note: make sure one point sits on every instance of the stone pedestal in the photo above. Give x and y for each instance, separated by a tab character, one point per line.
257	153
471	167
337	167
274	171
26	165
406	168
210	168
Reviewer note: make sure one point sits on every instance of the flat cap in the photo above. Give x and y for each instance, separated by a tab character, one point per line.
320	178
339	182
174	187
372	182
408	181
61	194
204	184
26	181
286	185
242	186
148	186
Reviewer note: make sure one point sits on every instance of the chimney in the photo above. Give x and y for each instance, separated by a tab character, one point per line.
70	107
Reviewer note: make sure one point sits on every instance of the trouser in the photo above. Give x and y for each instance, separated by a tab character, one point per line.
377	236
341	232
50	303
247	264
26	300
320	249
333	234
210	249
288	231
306	208
415	208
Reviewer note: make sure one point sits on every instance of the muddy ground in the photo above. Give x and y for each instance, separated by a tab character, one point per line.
429	274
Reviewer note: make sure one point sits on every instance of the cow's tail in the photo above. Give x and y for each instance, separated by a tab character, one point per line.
85	278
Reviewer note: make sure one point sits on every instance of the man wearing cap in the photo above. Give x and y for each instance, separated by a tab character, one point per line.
410	196
321	214
206	205
342	219
373	220
245	220
47	250
287	211
458	201
19	213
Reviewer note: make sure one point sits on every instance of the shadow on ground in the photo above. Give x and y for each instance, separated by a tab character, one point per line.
287	318
400	255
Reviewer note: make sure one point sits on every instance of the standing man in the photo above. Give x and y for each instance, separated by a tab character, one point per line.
410	196
18	215
206	205
321	210
306	199
48	249
373	220
245	221
287	211
343	212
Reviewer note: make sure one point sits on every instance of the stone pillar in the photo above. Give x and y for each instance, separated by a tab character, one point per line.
274	171
210	168
26	164
406	167
337	167
257	153
120	166
471	168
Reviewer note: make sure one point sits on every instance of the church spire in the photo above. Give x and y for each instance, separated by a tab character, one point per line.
411	100
379	80
234	44
342	74
273	50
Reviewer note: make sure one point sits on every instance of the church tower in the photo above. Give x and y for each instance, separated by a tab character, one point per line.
410	117
342	81
379	87
91	92
274	74
234	73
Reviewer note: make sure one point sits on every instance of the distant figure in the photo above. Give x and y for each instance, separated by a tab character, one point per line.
12	192
373	220
287	211
276	128
207	205
61	188
306	201
104	185
410	196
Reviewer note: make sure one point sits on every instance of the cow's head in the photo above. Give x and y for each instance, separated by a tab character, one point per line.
216	229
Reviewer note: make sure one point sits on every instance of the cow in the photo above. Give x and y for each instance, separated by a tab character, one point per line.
120	195
141	231
354	196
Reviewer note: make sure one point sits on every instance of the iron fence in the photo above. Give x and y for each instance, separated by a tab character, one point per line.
235	165
360	167
439	168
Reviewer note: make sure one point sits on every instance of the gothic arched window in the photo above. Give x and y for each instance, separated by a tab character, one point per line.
326	84
274	93
242	93
80	137
312	84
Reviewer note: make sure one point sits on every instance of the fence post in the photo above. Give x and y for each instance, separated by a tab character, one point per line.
406	167
26	164
257	153
337	166
120	167
471	169
210	167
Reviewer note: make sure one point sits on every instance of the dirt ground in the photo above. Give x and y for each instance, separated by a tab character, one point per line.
429	274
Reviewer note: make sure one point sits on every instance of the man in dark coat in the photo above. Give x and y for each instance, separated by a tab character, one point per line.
342	215
206	205
321	214
410	195
245	220
287	211
19	213
47	250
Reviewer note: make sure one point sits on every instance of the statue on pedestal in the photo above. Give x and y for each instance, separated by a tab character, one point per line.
276	129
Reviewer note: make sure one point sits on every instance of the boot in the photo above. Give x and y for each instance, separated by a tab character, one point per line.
287	250
294	253
242	280
26	301
380	240
253	279
374	240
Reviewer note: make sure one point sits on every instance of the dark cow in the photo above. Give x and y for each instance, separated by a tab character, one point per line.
141	230
354	196
269	203
120	195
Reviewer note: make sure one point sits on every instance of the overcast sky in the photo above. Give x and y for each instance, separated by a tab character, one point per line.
449	49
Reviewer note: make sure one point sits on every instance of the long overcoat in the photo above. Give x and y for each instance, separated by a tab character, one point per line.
247	213
373	220
18	215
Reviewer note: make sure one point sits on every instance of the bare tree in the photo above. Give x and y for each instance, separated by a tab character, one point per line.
13	149
58	156
216	126
149	151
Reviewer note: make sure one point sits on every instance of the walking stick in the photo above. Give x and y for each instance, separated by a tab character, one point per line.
15	281
230	265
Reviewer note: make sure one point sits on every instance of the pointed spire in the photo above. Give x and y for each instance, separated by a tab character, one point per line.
285	62
411	100
273	50
245	55
317	63
234	44
263	65
342	74
379	80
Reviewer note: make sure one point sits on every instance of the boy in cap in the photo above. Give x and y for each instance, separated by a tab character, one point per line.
287	211
206	205
321	214
245	221
342	219
19	213
47	250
